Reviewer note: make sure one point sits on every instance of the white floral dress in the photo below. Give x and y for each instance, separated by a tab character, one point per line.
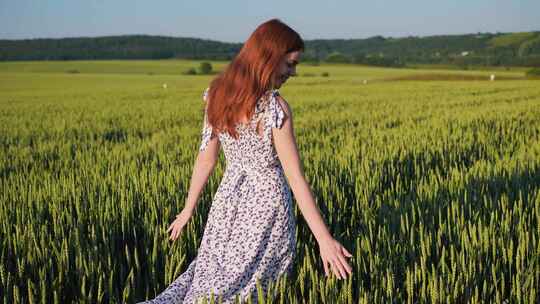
251	228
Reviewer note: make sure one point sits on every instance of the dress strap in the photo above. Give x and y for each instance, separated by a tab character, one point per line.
274	115
277	114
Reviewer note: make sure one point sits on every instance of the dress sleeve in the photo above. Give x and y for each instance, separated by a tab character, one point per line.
277	115
206	133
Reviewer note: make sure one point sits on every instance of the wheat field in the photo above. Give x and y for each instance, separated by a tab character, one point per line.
431	178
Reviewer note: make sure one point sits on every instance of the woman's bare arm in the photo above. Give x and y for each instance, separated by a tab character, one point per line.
285	143
202	169
332	252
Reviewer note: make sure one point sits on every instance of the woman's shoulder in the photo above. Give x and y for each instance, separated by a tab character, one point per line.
272	96
278	108
280	101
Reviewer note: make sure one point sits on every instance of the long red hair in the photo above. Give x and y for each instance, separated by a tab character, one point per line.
234	92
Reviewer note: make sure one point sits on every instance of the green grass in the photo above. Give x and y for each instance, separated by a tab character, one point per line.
514	70
169	67
434	186
511	39
176	67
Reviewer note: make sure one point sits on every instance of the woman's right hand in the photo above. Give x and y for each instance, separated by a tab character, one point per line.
334	254
176	227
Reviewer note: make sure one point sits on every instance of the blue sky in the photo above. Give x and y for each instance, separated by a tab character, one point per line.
233	21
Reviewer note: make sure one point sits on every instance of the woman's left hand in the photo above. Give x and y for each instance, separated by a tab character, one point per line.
333	256
176	227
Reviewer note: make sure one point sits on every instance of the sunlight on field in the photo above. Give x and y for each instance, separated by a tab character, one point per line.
431	181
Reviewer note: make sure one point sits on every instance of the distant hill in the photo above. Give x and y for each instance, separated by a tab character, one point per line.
116	47
516	49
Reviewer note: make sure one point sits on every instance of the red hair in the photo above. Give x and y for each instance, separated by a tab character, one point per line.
234	92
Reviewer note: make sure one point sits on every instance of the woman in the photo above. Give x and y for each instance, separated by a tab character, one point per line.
250	233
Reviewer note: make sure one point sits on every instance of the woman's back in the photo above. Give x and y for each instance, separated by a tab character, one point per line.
254	147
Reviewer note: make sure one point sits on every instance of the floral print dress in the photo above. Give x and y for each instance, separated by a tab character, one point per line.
251	228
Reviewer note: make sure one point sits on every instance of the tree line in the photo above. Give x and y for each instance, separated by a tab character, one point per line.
487	49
